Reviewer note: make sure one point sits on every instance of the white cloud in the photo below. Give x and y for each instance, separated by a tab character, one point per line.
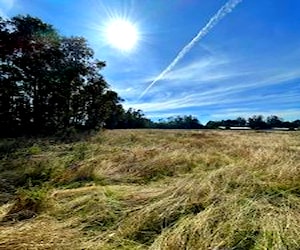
167	115
196	70
231	92
288	114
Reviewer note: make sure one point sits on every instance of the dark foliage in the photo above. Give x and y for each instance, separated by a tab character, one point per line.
179	122
128	119
255	122
48	82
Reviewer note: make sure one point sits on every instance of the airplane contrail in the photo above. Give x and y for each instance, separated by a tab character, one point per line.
225	9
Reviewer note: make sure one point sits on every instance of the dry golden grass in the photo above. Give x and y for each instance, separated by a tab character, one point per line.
155	189
39	233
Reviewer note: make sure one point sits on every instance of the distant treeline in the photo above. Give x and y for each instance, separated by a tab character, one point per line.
50	84
255	122
136	119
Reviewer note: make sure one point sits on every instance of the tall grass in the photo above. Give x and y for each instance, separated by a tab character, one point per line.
153	189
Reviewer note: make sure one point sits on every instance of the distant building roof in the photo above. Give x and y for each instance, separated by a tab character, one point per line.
240	128
282	129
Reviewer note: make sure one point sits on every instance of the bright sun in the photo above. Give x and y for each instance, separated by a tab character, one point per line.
121	34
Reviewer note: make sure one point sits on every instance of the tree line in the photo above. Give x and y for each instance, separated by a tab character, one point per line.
51	83
191	122
255	122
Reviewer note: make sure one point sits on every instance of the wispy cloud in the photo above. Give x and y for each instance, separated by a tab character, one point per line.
235	91
226	9
219	101
201	73
289	114
158	115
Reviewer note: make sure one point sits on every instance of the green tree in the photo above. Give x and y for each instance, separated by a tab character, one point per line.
274	121
241	122
296	124
180	122
49	82
257	122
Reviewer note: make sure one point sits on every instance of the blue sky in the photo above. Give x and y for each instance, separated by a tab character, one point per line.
248	63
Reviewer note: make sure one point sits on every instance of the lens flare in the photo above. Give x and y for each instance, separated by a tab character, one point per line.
121	34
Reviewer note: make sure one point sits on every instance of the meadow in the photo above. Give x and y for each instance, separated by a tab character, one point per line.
152	189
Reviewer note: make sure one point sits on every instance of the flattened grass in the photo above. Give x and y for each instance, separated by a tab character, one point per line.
153	189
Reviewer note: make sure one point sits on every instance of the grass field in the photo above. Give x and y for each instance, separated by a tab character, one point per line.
152	189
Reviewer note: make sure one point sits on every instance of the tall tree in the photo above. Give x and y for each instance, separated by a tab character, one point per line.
49	82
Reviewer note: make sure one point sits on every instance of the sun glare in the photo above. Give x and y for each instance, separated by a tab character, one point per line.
121	34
